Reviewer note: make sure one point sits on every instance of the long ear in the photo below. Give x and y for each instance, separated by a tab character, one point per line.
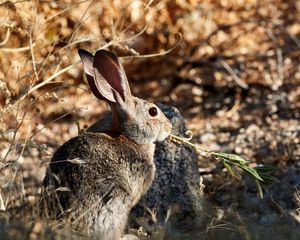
110	77
87	61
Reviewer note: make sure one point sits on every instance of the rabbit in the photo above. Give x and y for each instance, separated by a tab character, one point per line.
177	185
95	179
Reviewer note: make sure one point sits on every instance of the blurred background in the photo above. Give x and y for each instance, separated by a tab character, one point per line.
230	67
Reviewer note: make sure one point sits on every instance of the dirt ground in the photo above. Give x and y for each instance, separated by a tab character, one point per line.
232	68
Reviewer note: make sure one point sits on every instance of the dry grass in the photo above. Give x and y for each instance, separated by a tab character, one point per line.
226	44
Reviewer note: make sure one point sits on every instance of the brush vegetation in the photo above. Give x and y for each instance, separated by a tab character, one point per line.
230	67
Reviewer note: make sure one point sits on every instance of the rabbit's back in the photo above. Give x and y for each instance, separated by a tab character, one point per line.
105	174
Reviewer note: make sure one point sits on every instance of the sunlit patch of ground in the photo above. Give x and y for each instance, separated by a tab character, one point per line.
235	78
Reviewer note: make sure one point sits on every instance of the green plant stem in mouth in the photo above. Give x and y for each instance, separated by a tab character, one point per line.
261	173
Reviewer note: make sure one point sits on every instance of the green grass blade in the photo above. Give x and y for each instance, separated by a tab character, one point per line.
252	172
230	157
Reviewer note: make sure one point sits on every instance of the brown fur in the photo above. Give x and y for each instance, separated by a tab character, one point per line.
106	185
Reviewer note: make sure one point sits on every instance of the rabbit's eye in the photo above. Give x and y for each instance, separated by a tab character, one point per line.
153	111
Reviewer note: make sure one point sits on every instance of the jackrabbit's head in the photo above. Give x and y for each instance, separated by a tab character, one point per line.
141	121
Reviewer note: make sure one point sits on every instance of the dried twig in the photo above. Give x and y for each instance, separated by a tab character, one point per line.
234	75
21	49
5	40
161	53
31	32
280	71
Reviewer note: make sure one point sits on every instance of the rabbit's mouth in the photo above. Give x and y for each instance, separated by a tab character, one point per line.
164	133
